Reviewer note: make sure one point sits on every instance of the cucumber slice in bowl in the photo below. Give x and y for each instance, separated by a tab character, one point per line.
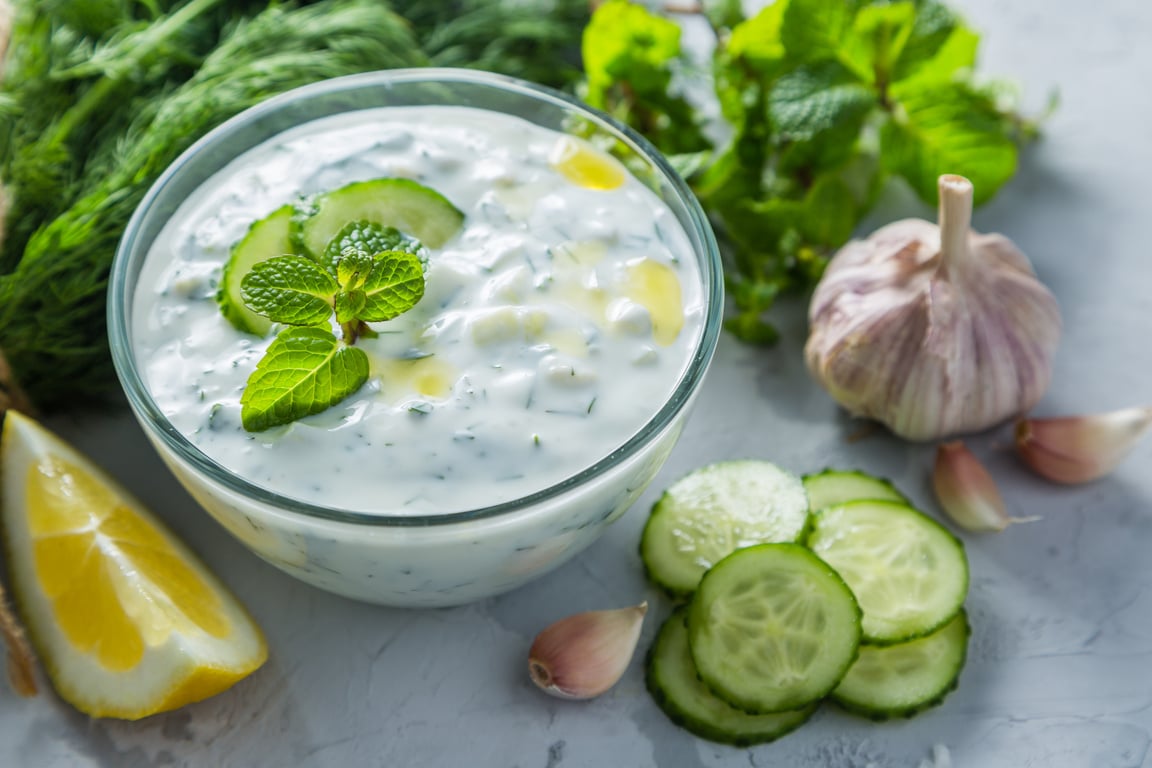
839	486
714	511
266	239
903	680
674	684
773	628
412	208
909	574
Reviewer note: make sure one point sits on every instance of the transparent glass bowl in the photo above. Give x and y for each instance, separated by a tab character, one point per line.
435	560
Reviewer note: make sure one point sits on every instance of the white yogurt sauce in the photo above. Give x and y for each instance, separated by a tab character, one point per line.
553	326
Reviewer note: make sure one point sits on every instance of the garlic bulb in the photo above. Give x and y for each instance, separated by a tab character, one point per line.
933	330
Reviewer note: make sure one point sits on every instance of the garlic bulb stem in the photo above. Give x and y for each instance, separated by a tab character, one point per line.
955	217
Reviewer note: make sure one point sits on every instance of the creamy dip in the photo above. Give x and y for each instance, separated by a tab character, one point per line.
553	327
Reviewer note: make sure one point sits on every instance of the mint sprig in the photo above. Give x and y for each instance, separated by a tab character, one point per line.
367	274
826	101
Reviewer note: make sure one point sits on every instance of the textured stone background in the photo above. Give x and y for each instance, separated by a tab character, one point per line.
1060	670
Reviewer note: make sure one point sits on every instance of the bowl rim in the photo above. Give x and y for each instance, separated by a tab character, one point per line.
154	421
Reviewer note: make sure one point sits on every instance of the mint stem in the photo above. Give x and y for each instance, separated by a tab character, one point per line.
351	331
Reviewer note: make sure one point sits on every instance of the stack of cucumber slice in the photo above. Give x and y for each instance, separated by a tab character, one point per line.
831	586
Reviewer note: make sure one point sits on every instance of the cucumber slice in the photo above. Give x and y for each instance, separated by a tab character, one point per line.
773	628
412	208
673	682
266	239
712	512
901	680
908	572
838	486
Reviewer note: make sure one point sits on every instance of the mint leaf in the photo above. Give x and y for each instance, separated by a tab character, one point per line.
935	25
815	98
958	53
353	267
878	37
830	212
305	371
372	239
735	176
815	29
624	40
289	289
629	53
723	14
940	128
394	285
776	219
688	164
756	42
744	69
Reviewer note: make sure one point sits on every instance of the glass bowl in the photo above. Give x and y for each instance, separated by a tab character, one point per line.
405	560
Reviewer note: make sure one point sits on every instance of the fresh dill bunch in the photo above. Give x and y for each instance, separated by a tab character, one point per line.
99	96
536	40
66	93
52	311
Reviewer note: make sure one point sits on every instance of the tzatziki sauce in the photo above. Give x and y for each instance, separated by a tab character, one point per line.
554	325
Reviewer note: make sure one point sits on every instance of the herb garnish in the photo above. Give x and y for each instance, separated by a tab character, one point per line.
824	101
307	368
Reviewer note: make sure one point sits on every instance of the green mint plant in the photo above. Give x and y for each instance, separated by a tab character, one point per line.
821	103
367	274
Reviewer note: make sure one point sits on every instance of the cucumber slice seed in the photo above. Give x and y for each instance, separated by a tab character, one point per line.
839	486
266	239
903	680
674	684
715	510
410	207
909	574
773	628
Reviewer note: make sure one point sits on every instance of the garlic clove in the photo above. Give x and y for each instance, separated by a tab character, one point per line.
582	656
967	491
1078	449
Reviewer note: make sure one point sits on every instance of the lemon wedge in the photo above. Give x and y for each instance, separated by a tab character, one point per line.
126	620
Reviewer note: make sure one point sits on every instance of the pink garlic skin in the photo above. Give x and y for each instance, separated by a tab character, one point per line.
933	339
1080	449
583	655
966	491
